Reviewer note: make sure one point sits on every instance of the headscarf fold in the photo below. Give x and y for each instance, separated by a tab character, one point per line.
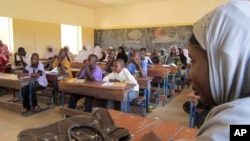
224	34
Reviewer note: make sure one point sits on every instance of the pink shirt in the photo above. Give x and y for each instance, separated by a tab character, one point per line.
5	51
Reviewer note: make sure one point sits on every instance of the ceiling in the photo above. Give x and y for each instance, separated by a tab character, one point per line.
95	4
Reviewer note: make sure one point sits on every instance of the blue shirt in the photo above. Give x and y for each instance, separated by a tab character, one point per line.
132	67
97	74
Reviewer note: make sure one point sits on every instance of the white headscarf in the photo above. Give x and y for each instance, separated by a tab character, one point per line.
185	53
51	54
98	51
225	34
176	48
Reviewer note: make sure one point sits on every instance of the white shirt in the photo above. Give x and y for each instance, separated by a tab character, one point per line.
42	80
123	76
27	58
82	55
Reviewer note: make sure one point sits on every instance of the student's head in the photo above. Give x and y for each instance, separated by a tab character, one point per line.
109	49
21	51
50	49
34	58
111	54
121	49
174	50
179	65
62	54
163	52
84	48
137	55
118	65
220	51
143	52
66	48
131	50
92	60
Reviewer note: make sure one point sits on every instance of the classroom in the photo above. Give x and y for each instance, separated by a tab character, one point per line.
102	28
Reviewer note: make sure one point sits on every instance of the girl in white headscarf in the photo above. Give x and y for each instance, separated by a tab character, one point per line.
163	56
173	56
83	54
51	53
220	54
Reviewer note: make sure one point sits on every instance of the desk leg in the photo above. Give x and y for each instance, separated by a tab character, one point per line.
30	95
125	104
165	86
147	93
55	92
20	96
63	97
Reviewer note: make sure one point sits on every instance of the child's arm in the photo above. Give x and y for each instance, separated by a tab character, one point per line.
109	77
130	79
139	67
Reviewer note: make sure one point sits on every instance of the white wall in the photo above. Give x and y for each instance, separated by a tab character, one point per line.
158	13
50	11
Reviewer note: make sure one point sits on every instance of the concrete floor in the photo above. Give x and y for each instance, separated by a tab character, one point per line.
12	122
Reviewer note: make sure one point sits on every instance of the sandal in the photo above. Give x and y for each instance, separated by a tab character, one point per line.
24	111
36	108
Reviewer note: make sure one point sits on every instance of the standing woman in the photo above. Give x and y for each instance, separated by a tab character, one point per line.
220	54
122	54
173	56
62	62
163	56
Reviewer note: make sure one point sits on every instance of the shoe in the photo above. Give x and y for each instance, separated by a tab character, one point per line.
36	108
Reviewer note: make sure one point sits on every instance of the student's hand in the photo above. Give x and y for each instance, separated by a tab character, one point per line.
19	75
137	61
193	98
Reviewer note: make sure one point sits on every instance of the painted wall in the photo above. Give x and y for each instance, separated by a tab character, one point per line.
52	11
36	36
158	13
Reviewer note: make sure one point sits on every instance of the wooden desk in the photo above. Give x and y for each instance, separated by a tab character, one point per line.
53	78
145	84
139	126
95	89
12	81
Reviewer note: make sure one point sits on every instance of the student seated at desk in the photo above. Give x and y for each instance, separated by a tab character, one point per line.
121	74
136	66
23	56
109	66
62	62
51	53
145	58
90	71
4	63
33	69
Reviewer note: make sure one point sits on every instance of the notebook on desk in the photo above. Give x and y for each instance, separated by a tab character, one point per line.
115	84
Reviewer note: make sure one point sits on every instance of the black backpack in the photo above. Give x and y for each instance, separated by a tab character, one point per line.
97	126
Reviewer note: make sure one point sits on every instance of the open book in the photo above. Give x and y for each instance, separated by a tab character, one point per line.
53	71
115	84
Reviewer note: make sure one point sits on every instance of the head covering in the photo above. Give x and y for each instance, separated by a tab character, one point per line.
122	55
52	53
224	34
98	51
185	53
176	48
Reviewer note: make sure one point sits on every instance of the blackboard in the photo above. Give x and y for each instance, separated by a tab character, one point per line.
151	37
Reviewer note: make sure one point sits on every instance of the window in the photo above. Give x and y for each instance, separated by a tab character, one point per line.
6	34
71	36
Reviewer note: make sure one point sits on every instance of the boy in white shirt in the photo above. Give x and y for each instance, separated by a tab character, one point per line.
121	74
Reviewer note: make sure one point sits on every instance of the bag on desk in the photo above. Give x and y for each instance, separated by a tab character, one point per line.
98	126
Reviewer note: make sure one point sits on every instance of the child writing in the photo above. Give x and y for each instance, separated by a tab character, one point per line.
121	74
34	69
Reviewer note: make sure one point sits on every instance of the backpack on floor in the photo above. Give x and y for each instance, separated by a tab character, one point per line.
97	126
